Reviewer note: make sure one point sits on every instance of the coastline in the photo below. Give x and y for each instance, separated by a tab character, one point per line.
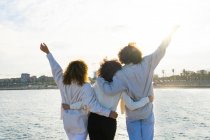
55	87
28	88
181	87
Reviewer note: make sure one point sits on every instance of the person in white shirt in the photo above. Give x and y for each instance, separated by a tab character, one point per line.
100	127
74	87
136	77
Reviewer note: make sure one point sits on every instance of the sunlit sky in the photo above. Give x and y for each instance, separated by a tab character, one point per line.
95	29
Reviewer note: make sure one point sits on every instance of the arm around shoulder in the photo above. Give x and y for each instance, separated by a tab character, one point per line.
111	88
90	101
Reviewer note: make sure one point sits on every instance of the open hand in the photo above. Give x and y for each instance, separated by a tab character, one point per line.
44	48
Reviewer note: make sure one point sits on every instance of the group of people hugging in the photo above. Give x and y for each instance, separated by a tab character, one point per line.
90	109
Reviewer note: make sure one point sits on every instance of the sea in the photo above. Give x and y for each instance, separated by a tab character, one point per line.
180	114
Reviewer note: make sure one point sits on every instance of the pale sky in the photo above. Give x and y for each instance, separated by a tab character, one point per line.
95	29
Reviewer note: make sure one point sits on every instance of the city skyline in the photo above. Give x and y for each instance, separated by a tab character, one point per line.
162	74
92	30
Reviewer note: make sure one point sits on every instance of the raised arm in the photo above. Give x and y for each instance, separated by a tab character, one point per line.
57	72
111	88
90	102
167	40
132	105
160	52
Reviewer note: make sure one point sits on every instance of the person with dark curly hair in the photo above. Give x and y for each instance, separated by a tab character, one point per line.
74	87
100	127
136	78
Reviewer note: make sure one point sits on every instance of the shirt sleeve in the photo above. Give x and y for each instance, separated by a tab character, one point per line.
159	53
132	105
154	58
57	71
111	88
77	105
91	103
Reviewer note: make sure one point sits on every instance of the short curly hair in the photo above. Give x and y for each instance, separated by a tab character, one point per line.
77	71
130	54
108	68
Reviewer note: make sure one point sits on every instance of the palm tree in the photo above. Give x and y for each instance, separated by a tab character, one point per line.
163	72
173	73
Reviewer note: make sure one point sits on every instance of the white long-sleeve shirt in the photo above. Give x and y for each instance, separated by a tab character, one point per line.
75	93
111	102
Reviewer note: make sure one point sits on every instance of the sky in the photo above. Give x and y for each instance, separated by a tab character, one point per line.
94	29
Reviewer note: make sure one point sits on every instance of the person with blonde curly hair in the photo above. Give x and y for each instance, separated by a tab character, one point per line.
74	87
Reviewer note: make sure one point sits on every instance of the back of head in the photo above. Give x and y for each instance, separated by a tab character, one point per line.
108	69
130	54
76	72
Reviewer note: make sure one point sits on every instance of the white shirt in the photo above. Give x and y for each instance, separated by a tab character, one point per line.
111	102
75	93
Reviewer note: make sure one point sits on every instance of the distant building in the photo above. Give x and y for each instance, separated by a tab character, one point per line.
33	79
25	77
202	72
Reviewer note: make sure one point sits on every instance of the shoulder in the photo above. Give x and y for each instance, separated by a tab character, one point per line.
119	73
146	59
87	86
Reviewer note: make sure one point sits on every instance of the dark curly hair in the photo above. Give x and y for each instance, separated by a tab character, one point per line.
130	54
76	72
108	69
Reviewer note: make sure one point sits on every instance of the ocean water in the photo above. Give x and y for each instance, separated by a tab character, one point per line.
180	114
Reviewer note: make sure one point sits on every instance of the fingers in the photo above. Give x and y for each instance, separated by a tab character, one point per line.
41	46
113	115
44	44
65	106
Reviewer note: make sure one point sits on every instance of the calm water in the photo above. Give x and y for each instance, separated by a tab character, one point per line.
35	115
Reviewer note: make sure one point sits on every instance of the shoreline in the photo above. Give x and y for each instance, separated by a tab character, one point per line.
181	87
155	87
28	88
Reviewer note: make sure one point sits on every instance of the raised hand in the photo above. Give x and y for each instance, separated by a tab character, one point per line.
167	40
176	27
44	48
